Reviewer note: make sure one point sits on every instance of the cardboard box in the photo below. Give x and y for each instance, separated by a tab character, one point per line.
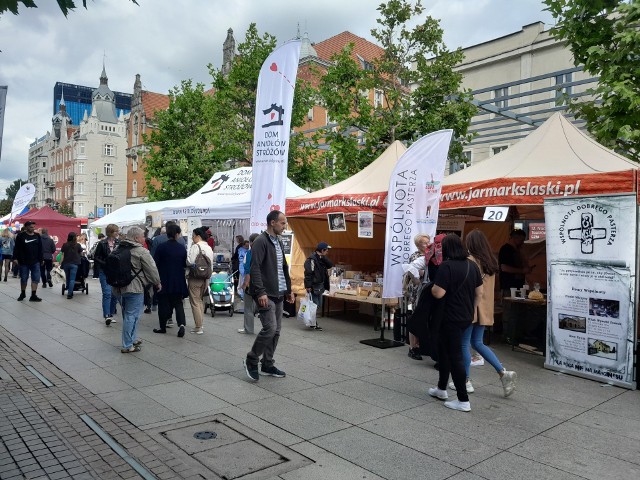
350	274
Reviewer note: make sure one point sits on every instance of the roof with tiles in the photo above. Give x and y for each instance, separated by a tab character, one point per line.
153	102
366	49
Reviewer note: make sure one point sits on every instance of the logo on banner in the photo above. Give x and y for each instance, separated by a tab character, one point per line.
217	183
271	114
594	224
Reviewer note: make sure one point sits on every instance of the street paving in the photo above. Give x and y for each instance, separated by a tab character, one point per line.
344	411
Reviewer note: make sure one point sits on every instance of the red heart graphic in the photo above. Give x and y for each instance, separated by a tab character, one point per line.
274	207
269	197
273	67
272	115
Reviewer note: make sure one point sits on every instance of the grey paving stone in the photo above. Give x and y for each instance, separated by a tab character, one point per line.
98	380
184	398
620	426
231	389
507	466
138	408
376	395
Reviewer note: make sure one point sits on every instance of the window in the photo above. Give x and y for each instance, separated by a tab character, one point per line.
134	165
134	188
310	114
109	150
378	98
108	189
80	168
80	188
499	93
82	148
44	164
108	208
562	90
135	130
456	166
79	208
108	168
496	149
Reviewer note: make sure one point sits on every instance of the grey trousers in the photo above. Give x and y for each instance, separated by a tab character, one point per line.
267	340
249	312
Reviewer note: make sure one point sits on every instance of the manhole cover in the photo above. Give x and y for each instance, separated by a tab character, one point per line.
205	435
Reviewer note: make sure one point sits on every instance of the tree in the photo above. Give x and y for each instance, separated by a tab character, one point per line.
65	5
181	157
411	57
65	209
5	206
604	37
12	190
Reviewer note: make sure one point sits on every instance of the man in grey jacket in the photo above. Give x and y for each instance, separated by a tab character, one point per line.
48	251
269	285
131	297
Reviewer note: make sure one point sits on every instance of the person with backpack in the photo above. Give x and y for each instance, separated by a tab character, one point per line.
170	258
48	251
103	249
200	254
129	268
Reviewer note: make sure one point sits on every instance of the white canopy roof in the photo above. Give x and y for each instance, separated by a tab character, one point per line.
129	215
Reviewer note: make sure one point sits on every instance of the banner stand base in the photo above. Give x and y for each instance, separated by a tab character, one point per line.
382	343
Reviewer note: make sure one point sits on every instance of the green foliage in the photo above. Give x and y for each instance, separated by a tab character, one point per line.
604	37
65	5
12	190
416	56
181	156
65	209
5	206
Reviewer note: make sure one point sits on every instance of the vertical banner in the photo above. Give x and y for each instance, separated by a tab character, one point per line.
22	199
413	203
591	258
274	101
3	103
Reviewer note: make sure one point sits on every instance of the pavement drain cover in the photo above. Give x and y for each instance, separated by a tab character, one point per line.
205	435
220	447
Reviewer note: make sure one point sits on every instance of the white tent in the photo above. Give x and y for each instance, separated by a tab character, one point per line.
129	215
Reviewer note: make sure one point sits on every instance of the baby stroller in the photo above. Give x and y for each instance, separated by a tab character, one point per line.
221	290
80	284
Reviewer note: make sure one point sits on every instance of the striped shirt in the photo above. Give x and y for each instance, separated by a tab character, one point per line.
282	283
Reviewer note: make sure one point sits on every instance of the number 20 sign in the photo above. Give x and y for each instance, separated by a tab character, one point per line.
495	214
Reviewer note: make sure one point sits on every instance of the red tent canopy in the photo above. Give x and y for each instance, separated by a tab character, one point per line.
58	225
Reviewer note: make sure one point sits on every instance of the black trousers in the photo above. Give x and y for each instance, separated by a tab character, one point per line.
450	358
167	303
45	271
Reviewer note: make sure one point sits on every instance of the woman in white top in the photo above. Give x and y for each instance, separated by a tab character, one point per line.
198	286
418	261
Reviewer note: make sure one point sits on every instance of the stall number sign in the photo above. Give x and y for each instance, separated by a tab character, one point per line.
495	214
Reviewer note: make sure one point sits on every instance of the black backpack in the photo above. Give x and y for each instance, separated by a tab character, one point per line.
117	267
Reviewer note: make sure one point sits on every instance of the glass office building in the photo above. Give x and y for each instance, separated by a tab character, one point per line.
77	98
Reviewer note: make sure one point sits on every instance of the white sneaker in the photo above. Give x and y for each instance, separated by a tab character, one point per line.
458	405
477	361
470	388
508	380
439	394
197	331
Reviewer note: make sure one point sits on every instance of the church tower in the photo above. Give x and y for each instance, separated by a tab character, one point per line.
228	52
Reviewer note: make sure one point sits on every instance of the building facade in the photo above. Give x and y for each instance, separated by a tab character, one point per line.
78	99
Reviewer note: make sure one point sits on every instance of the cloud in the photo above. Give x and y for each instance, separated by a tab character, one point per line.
167	41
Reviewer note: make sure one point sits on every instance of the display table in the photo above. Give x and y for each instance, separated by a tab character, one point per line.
525	323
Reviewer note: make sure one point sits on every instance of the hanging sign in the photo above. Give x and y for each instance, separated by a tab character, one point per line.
495	214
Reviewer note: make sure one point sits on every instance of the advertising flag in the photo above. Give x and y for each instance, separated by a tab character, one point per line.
274	101
22	199
413	204
3	102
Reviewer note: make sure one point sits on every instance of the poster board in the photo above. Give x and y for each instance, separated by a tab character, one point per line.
591	314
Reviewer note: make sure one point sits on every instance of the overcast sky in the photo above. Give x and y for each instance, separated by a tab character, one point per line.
166	41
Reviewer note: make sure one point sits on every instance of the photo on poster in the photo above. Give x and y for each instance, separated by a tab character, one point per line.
572	322
603	348
604	308
365	224
337	222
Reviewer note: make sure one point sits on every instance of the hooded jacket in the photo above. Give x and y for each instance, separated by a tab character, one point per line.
141	261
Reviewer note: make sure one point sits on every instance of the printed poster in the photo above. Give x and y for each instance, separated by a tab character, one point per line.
365	224
591	257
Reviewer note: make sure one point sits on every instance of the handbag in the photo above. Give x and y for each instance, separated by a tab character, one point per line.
307	311
58	276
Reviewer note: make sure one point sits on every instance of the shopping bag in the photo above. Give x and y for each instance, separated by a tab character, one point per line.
307	311
58	276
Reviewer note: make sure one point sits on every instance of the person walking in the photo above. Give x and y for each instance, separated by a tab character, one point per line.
48	252
7	243
316	276
513	267
131	297
269	285
104	248
27	255
170	258
71	257
480	253
459	283
249	304
235	260
198	286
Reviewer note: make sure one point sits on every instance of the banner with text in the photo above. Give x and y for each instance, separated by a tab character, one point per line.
3	103
274	101
591	258
413	203
22	198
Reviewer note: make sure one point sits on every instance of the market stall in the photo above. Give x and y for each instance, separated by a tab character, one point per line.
58	225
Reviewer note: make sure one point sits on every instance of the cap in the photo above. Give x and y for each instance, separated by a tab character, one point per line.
322	246
30	222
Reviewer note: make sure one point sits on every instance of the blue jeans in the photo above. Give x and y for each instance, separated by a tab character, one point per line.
70	271
473	337
25	270
131	305
109	300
